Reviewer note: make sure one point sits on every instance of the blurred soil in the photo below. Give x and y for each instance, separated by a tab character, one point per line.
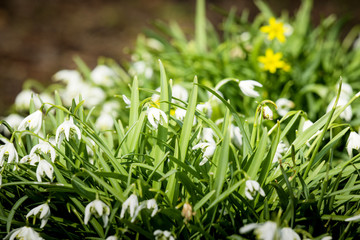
40	37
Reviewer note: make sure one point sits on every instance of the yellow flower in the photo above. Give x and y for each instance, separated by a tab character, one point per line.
275	29
272	61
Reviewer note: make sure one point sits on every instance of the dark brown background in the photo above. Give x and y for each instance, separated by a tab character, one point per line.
40	37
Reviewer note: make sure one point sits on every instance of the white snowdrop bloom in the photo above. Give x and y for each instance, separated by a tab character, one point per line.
353	142
46	148
93	96
307	124
156	117
65	129
163	235
24	233
103	75
267	113
251	188
207	149
236	136
280	149
9	153
288	234
22	100
126	101
112	238
354	218
264	231
180	115
245	36
33	122
31	159
179	92
284	105
247	87
141	68
111	107
156	97
104	122
207	135
205	108
288	29
0	180
327	237
43	211
13	120
132	203
149	204
346	90
68	76
44	168
99	209
347	113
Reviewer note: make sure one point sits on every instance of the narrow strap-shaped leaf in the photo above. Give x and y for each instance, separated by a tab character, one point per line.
134	107
13	210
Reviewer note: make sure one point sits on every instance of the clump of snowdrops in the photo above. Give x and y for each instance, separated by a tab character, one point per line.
102	155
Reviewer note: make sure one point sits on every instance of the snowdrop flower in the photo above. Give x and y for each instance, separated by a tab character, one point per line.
247	87
127	101
44	168
207	149
46	148
64	129
346	90
269	231
22	100
149	204
288	234
104	122
33	122
0	180
112	238
236	136
8	151
251	188
179	92
103	75
43	211
283	106
93	96
132	203
354	218
347	113
110	107
68	76
280	149
267	113
99	209
353	142
31	159
163	235
205	108
180	115
24	233
207	135
13	120
156	117
141	68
